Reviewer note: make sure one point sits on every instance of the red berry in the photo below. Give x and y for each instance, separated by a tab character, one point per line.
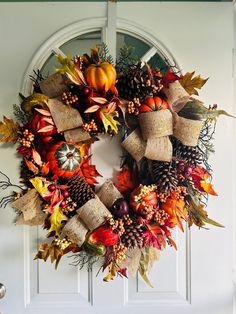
52	187
63	203
181	166
86	91
188	170
65	193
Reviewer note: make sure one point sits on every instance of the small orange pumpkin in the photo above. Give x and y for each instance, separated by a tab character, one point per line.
153	104
101	76
64	159
144	202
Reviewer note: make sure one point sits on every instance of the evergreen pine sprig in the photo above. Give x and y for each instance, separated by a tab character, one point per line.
126	59
81	259
104	55
20	115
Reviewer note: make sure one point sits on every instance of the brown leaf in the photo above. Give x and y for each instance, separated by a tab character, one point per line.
8	130
191	83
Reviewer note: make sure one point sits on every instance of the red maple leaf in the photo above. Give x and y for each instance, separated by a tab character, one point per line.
126	181
89	172
168	78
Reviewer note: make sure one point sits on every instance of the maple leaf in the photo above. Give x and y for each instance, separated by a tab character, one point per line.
191	83
89	172
8	130
41	185
168	78
126	182
56	219
108	119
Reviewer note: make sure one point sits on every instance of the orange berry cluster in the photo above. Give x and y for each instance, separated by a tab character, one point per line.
69	98
62	243
68	205
144	191
160	217
133	106
179	193
119	251
118	225
27	138
90	126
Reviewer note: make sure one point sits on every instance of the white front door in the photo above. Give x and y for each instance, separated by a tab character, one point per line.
197	36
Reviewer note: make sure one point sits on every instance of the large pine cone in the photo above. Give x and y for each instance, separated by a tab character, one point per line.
80	191
135	83
133	236
191	155
164	176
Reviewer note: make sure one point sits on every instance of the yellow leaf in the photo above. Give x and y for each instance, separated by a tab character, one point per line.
41	185
191	83
34	100
56	219
207	187
108	120
8	130
112	271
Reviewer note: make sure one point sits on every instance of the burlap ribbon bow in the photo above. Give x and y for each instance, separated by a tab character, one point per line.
152	138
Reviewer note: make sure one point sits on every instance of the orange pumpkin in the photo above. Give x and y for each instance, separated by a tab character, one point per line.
101	76
144	202
64	159
153	104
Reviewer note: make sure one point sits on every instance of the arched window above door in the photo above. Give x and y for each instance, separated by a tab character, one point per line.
77	39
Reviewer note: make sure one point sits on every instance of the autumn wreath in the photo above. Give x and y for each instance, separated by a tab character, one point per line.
164	180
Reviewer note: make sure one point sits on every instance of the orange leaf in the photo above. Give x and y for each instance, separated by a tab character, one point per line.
45	169
126	182
31	166
207	187
89	172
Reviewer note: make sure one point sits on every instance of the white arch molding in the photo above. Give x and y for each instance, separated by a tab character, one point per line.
52	44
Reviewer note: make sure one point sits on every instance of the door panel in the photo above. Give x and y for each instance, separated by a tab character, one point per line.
195	279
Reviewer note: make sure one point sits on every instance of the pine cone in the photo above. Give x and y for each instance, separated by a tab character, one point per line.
133	236
165	176
191	155
135	83
80	191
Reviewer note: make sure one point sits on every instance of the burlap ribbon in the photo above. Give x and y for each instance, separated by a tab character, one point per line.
67	119
152	140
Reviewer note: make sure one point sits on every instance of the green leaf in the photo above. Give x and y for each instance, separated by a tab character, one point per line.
56	219
68	66
108	120
144	265
198	214
212	222
195	110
